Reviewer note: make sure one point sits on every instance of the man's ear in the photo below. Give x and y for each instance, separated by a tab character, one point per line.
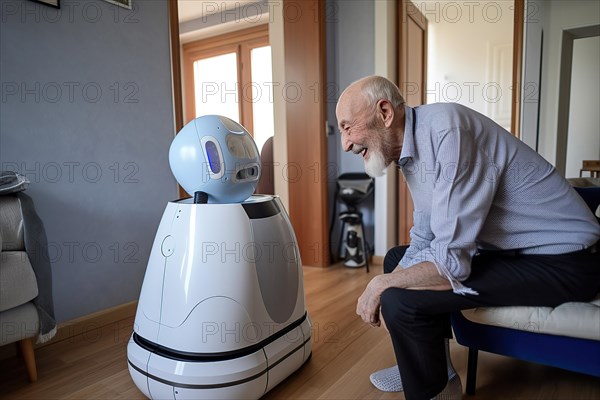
386	112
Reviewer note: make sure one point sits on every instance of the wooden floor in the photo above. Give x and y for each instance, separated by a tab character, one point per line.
345	352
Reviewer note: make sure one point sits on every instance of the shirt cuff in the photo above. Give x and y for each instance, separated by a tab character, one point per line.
461	272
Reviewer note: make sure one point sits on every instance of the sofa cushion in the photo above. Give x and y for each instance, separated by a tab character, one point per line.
584	182
19	323
12	182
18	284
11	224
580	320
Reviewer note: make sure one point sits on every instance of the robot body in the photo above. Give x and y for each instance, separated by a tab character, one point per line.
221	313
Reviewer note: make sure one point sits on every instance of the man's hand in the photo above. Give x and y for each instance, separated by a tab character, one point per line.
422	276
369	301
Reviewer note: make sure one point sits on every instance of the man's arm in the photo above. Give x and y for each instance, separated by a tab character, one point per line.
462	196
422	276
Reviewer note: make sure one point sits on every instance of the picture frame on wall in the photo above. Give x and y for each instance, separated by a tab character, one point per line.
122	3
51	3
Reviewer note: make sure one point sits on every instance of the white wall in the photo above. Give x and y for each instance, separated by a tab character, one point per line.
584	116
470	55
232	17
535	25
560	15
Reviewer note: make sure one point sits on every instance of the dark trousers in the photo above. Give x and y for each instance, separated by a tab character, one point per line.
419	320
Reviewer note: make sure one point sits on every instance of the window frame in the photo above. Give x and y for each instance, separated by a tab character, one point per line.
240	42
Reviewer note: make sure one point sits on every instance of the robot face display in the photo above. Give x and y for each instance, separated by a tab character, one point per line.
215	155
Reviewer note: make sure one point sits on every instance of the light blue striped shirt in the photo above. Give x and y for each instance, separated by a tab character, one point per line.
475	186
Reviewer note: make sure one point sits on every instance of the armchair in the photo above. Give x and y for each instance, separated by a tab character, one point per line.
26	306
566	337
266	183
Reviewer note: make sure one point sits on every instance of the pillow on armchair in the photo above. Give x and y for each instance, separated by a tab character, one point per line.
11	182
26	303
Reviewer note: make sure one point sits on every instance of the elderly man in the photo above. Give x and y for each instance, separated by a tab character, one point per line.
494	225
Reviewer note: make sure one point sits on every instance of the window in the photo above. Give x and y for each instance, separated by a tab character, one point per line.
231	75
215	86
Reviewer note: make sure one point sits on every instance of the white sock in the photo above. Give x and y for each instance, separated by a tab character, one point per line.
388	380
452	391
449	366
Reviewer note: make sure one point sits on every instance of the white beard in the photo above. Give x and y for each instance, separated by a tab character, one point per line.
375	166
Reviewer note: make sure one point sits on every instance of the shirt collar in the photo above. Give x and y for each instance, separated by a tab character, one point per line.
408	143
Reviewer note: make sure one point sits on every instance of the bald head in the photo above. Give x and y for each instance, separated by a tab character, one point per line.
370	89
370	117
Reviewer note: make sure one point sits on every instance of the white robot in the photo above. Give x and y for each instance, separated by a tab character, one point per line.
221	313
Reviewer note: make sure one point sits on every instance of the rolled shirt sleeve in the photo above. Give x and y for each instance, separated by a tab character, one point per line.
420	239
465	183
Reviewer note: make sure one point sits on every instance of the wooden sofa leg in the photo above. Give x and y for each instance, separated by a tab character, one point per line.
472	371
26	346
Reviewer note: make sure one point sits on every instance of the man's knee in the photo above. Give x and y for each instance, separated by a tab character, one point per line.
392	258
405	309
396	306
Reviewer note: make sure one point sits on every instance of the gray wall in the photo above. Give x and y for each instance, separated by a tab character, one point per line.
350	56
86	115
354	54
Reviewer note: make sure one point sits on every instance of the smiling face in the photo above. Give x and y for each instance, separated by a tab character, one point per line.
366	129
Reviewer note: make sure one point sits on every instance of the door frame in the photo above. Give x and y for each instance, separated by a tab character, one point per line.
175	64
306	169
517	70
405	203
564	90
176	75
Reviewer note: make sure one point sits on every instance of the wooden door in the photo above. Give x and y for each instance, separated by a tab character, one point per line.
412	68
306	169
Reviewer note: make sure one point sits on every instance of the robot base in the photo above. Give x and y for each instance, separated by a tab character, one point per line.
161	374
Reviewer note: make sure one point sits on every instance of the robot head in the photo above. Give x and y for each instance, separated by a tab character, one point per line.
216	155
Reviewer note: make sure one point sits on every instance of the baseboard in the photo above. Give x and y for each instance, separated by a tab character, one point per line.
92	322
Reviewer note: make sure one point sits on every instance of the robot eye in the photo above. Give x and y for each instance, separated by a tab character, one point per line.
241	146
247	173
214	161
236	146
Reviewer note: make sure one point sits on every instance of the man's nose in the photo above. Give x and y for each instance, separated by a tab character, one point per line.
346	144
